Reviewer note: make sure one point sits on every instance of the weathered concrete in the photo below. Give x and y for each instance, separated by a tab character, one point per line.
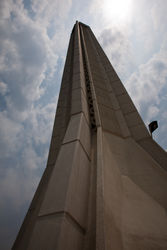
105	184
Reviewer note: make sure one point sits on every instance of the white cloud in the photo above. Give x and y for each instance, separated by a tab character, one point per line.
27	64
146	84
42	122
21	160
17	187
159	17
27	57
9	134
30	158
152	113
5	9
47	11
3	88
118	48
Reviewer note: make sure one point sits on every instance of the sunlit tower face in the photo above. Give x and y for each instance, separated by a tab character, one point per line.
117	10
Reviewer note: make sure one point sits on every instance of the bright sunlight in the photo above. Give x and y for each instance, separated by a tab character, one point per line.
117	10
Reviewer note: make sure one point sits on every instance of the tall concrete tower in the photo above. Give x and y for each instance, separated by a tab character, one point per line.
105	184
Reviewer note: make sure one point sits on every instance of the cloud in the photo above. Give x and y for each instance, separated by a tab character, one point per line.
146	85
28	66
24	151
48	11
159	17
9	134
152	113
41	122
118	48
28	60
5	8
16	185
3	88
26	57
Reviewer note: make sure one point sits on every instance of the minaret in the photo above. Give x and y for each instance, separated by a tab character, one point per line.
105	184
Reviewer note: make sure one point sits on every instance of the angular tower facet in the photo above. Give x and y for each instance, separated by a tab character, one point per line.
105	184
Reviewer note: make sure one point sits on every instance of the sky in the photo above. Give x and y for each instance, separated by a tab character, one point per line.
34	36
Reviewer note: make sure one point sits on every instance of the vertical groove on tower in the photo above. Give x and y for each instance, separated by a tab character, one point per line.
97	143
88	83
90	238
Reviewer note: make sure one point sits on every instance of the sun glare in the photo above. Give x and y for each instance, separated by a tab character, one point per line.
117	10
